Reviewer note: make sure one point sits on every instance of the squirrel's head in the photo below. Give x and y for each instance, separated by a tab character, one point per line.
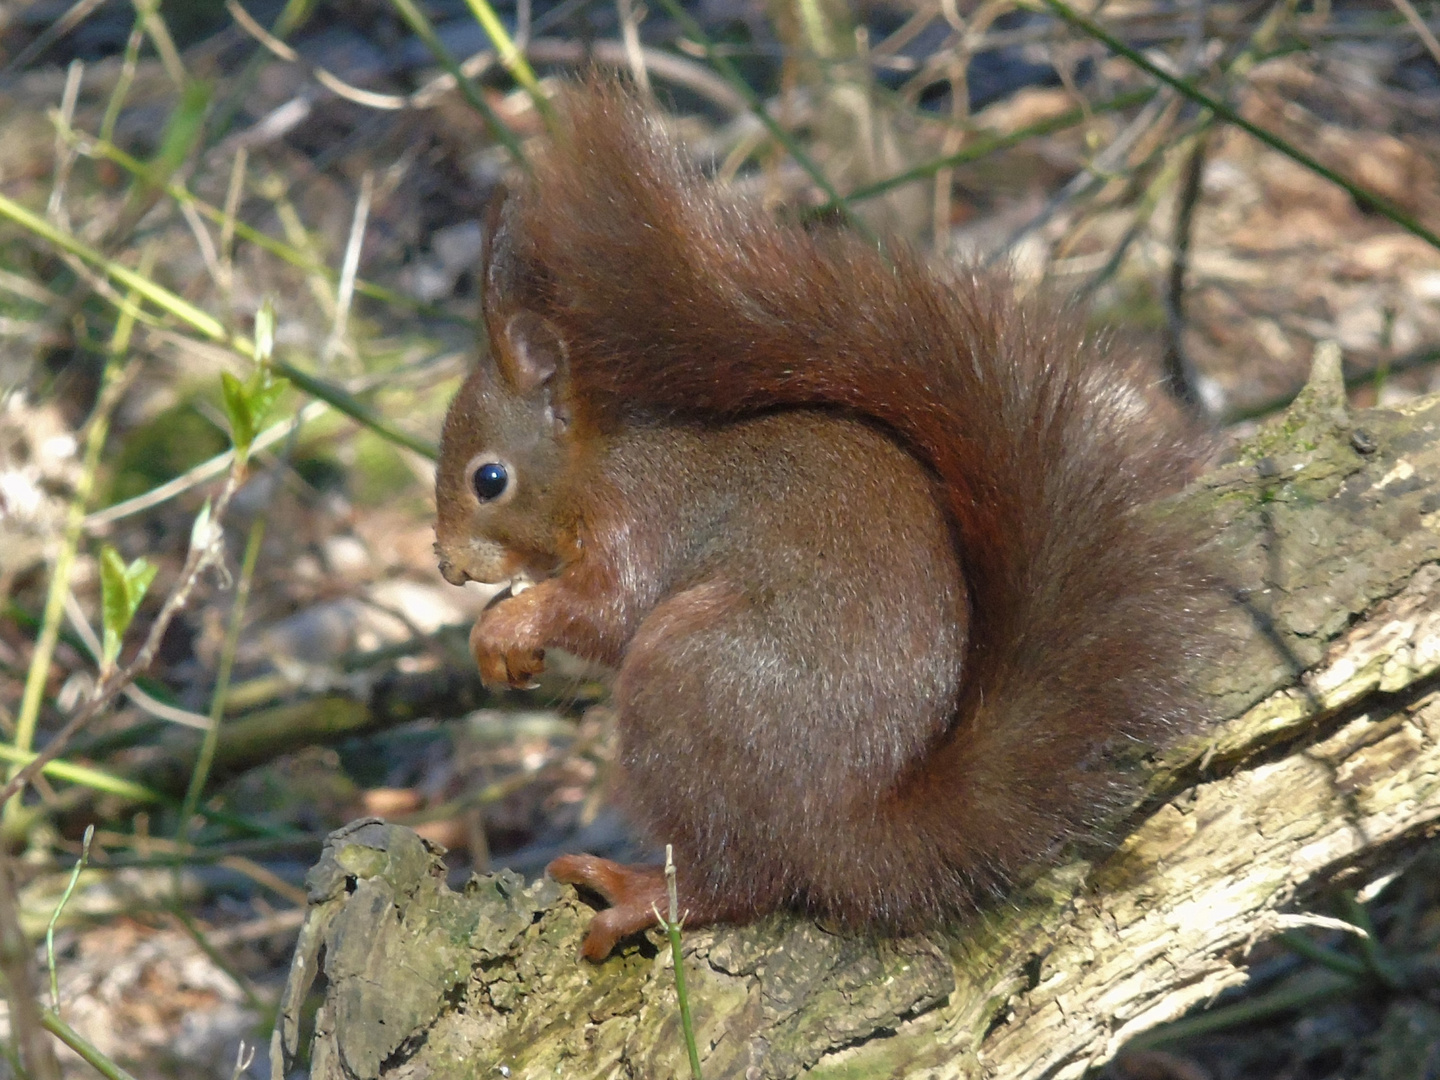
502	459
503	447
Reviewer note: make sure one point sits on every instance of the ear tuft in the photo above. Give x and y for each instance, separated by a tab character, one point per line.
500	259
532	352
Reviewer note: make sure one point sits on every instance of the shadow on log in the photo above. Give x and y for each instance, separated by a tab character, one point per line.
1326	770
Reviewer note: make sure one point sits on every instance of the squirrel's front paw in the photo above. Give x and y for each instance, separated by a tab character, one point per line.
502	646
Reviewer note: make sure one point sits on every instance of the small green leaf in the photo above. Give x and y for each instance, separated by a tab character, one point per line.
121	590
114	612
200	535
237	409
265	331
262	392
247	404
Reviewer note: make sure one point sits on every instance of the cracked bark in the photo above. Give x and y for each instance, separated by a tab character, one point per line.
1325	770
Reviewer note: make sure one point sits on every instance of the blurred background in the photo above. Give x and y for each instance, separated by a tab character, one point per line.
237	288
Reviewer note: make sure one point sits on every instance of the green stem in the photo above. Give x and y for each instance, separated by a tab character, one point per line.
206	757
672	926
13	1060
687	1025
51	1022
158	295
108	151
95	779
208	326
60	907
50	620
346	403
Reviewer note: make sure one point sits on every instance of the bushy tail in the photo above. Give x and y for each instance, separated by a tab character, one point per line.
675	299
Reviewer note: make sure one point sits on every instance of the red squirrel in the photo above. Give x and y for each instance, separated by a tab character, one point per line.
866	544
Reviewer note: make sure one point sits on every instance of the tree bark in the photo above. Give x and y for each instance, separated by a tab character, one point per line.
1326	770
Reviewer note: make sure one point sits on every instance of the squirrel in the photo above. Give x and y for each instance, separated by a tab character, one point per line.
867	545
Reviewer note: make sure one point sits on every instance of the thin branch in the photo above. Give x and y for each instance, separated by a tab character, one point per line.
77	13
345	293
1180	374
64	154
1096	172
323	76
205	550
206	470
156	708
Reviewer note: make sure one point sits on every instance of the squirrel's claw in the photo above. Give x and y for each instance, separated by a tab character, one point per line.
634	893
504	664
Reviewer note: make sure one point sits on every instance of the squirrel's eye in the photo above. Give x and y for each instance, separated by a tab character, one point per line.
490	481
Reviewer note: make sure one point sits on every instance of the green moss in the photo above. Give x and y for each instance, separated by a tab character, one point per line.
1133	304
170	444
380	475
321	470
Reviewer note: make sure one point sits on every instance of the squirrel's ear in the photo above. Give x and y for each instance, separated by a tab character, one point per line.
526	347
531	354
533	359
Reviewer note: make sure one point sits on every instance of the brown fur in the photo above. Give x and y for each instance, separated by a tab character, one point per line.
865	542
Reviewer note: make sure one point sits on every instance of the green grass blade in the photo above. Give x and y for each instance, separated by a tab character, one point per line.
99	426
417	22
510	55
732	75
343	402
211	327
279	248
987	144
95	779
161	297
182	133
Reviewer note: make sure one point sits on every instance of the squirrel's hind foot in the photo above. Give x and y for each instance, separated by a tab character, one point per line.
634	894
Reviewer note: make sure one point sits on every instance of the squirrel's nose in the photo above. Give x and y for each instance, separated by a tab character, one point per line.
451	574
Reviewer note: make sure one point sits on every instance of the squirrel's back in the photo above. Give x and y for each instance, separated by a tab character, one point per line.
675	299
